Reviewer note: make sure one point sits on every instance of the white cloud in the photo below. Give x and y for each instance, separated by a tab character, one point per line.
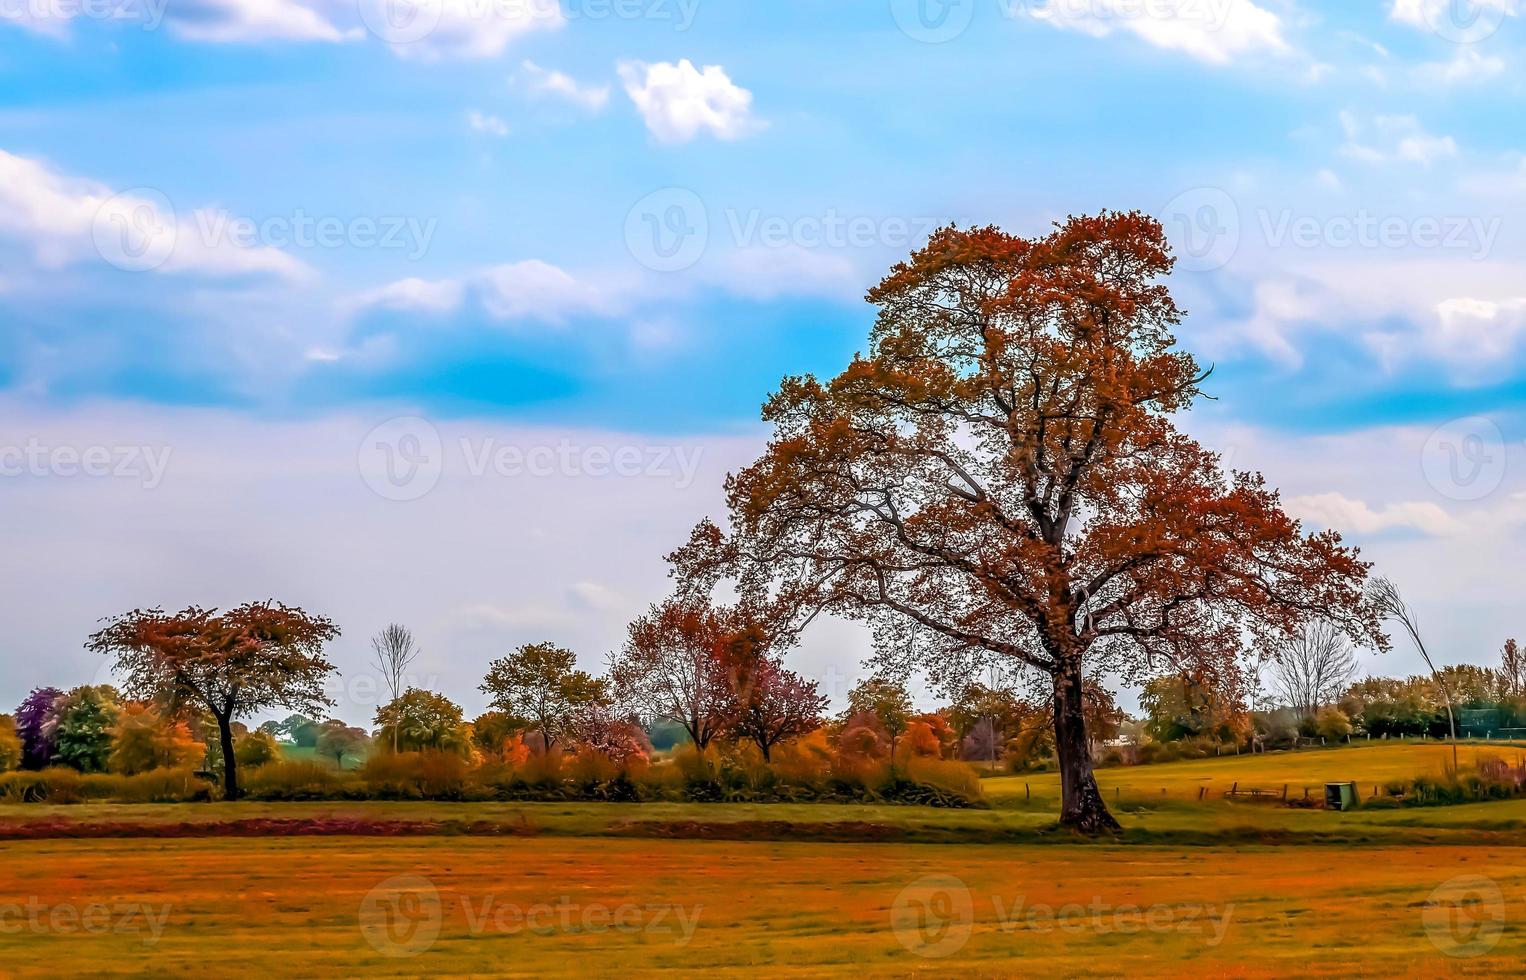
443	296
678	101
1389	138
1434	15
435	30
426	30
1478	332
482	122
766	273
1211	32
543	81
1466	67
527	290
1465	321
66	220
1341	513
238	21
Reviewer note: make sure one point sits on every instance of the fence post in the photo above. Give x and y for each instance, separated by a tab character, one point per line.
1027	791
1284	792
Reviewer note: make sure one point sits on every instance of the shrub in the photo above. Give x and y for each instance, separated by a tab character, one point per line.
255	749
430	775
1332	724
803	771
60	784
295	780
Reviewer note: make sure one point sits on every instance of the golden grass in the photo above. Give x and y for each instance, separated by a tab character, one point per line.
282	907
1368	765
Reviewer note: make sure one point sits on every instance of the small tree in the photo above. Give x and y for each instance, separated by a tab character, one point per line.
37	747
1190	705
888	702
1314	668
145	739
766	704
337	740
668	669
302	730
496	733
80	724
540	682
394	651
418	720
989	718
258	656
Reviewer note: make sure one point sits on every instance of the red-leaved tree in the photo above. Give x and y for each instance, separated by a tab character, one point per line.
765	702
260	655
999	480
668	670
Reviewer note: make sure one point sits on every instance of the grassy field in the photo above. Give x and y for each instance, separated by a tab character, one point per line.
1214	887
456	906
1368	765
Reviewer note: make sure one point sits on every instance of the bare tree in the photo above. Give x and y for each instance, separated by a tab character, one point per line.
1384	597
1311	670
395	650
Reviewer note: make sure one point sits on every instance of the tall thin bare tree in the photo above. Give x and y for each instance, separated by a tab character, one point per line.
395	650
1384	597
1311	670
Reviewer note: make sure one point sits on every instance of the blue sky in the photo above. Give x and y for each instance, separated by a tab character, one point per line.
1346	183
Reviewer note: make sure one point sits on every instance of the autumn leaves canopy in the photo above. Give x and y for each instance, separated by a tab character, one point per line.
1000	479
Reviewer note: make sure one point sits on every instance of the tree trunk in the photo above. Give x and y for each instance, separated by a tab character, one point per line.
230	765
1081	806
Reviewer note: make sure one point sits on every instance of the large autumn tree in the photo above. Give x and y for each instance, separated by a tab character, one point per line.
258	656
999	480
